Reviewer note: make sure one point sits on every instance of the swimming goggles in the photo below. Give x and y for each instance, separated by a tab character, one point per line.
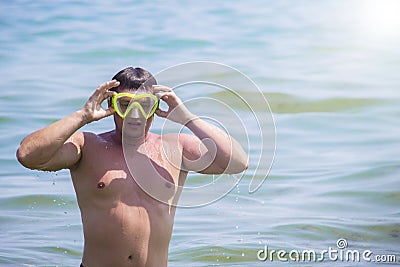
123	103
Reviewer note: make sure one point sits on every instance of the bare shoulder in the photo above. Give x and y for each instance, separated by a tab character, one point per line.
106	136
92	139
80	138
89	141
90	145
180	138
187	143
77	138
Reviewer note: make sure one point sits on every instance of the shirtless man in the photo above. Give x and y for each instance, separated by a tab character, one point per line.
123	224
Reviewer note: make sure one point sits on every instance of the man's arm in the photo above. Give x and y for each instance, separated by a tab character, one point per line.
58	146
210	150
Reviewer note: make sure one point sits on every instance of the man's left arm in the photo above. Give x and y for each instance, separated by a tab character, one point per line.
210	150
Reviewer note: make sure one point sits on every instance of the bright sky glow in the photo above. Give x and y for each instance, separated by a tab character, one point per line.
382	17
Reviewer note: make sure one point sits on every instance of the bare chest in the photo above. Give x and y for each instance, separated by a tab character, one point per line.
128	176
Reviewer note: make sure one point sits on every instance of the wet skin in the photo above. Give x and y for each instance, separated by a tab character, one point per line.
126	191
123	225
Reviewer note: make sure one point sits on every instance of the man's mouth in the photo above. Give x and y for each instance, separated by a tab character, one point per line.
135	123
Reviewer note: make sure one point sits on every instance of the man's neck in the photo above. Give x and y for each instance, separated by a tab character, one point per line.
132	142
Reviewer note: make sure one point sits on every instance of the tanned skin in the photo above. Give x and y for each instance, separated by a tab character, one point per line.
122	224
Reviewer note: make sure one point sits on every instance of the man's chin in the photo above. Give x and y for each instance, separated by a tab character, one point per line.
133	130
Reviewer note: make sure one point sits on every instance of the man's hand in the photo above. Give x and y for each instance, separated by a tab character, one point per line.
58	146
92	110
177	112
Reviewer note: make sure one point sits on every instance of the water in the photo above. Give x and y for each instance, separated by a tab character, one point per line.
330	77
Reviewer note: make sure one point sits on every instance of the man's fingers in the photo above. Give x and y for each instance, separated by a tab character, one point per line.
108	85
102	91
161	113
109	112
112	84
110	93
160	89
159	94
165	96
171	99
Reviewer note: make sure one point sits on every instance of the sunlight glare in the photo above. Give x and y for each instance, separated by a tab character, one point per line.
382	17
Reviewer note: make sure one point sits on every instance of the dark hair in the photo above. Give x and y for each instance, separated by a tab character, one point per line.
133	78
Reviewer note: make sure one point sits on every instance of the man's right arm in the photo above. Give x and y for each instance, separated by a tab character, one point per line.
58	146
54	147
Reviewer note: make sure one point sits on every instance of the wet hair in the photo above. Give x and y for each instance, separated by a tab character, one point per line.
133	78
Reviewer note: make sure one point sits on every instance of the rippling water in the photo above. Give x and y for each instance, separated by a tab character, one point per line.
332	84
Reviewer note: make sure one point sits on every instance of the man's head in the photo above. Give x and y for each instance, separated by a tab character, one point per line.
139	82
132	79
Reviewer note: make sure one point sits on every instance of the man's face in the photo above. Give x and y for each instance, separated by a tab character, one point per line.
134	123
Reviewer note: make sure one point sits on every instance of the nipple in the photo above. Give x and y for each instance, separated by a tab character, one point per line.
101	185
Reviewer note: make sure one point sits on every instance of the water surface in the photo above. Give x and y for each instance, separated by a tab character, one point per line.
332	84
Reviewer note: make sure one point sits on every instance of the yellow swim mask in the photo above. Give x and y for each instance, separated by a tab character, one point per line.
123	103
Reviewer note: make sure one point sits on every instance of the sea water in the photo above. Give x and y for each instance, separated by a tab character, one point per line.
331	78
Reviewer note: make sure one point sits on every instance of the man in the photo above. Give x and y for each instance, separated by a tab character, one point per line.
128	181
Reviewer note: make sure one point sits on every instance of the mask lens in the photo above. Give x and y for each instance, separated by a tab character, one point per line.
123	104
145	103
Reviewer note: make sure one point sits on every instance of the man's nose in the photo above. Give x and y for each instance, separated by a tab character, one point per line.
134	113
